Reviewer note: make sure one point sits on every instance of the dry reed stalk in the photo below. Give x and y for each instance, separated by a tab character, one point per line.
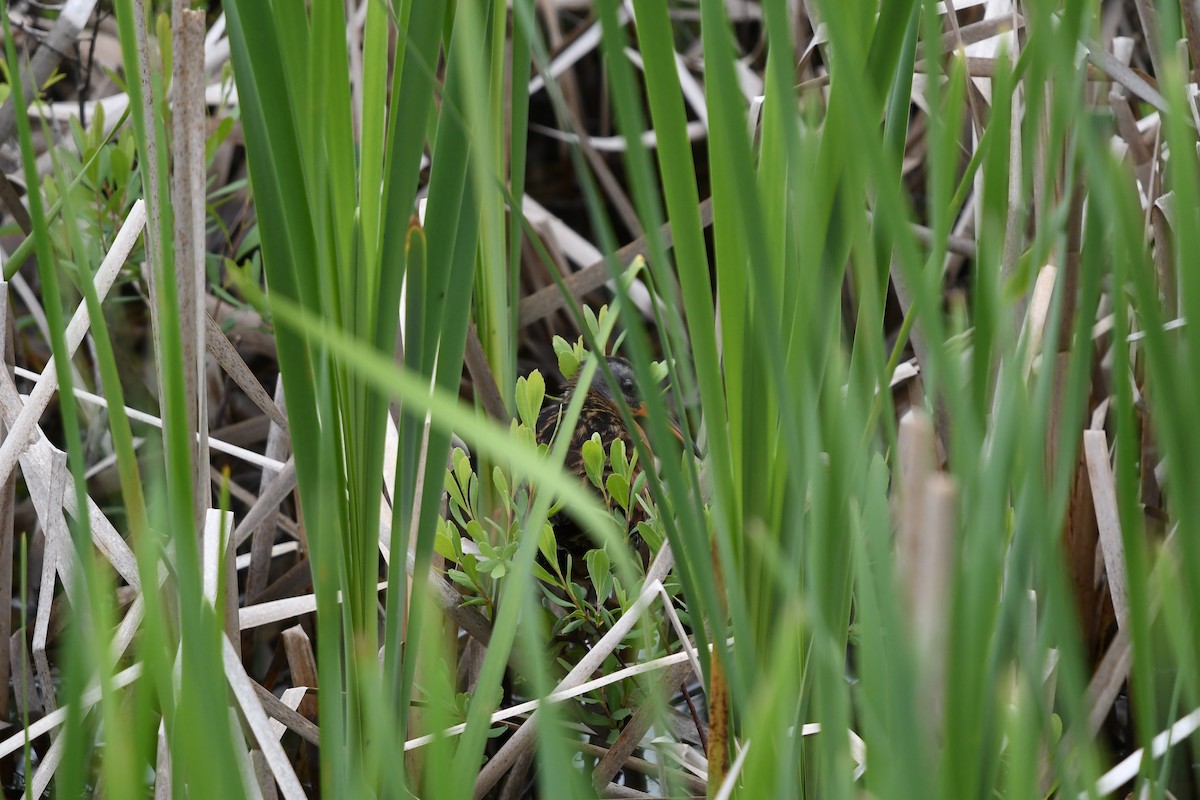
924	503
275	489
21	431
719	735
263	538
231	361
188	201
73	17
252	711
302	665
635	729
35	466
7	510
1104	498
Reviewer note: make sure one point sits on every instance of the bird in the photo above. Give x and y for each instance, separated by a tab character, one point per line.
599	414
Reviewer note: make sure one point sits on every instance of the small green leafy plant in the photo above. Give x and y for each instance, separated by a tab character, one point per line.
579	602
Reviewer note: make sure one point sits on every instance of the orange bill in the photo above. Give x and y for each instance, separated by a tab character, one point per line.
641	412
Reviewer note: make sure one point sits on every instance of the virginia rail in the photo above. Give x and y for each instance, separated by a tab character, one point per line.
600	414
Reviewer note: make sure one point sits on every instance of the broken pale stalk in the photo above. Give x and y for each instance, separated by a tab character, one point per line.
500	763
21	430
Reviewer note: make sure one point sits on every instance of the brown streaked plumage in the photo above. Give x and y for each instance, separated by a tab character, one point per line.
600	414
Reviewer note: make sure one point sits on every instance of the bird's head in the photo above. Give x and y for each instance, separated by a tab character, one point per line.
626	380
